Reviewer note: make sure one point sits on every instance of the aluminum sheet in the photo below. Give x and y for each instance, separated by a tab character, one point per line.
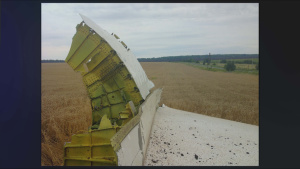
180	138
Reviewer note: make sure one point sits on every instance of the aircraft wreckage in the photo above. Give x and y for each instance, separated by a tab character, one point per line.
117	87
125	127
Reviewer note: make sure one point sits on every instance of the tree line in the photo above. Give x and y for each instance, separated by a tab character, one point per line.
198	58
53	61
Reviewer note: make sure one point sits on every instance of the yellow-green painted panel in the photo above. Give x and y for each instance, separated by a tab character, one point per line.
77	163
110	87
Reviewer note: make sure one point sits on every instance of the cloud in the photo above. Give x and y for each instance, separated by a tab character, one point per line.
155	30
60	52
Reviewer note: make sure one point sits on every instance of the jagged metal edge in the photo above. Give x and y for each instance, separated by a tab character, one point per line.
123	132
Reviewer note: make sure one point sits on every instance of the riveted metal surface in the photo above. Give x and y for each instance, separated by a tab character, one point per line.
93	146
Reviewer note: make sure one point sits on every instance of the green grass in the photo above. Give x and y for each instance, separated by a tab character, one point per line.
211	68
255	60
203	67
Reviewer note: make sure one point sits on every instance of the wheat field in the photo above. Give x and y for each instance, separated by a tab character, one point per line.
66	107
225	95
65	110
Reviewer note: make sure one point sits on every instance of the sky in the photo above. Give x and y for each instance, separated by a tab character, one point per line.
157	30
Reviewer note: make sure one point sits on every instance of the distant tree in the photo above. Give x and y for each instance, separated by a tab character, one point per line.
230	66
223	61
247	61
208	61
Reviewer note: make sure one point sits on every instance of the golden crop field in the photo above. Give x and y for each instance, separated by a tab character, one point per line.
66	108
225	95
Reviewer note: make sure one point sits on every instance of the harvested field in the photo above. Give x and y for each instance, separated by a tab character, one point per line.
66	107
